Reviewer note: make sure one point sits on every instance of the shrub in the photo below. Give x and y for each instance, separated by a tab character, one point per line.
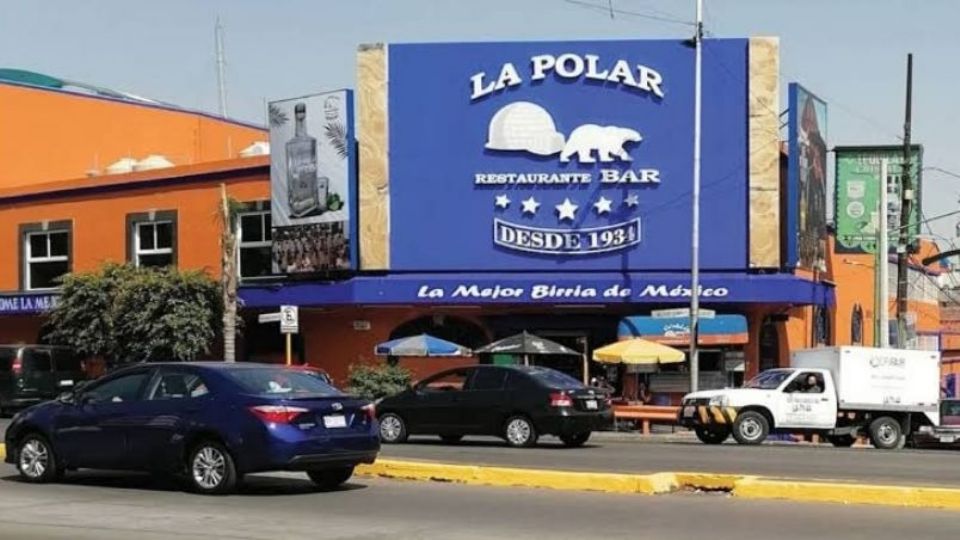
376	381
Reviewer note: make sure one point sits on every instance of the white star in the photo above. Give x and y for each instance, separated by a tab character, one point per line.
567	210
503	201
602	206
632	200
530	205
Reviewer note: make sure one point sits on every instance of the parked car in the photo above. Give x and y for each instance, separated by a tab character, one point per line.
315	372
30	374
517	403
211	421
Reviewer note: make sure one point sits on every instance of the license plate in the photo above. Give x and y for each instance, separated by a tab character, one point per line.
66	382
689	411
335	421
591	404
948	438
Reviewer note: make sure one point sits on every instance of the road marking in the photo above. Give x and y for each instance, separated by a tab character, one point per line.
744	486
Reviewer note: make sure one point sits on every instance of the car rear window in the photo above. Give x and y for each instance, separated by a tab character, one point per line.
38	361
554	379
280	382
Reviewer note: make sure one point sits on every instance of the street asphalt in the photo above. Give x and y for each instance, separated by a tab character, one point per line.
939	467
108	506
619	453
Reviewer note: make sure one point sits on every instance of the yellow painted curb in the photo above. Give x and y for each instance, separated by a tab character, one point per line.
3	451
748	487
830	492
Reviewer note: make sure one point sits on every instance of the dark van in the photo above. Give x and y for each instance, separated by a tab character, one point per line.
30	374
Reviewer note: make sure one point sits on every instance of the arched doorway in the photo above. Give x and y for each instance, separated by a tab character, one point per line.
455	329
856	325
769	345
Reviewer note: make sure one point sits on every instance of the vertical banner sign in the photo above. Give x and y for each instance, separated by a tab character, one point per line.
807	180
312	179
857	195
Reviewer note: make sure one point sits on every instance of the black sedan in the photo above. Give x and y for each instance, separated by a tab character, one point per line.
517	403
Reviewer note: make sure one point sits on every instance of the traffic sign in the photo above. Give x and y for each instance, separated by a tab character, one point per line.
680	313
269	317
289	320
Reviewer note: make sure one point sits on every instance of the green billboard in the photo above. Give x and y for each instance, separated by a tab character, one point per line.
857	195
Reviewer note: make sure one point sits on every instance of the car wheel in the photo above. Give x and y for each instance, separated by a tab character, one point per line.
211	469
519	431
36	461
751	427
392	429
842	441
327	479
712	435
451	439
885	433
575	440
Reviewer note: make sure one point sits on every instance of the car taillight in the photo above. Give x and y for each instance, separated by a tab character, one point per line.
277	414
560	399
17	366
370	410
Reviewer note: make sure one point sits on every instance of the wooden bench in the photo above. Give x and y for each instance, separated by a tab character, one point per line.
646	414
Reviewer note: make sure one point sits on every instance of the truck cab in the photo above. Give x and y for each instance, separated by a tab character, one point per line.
785	398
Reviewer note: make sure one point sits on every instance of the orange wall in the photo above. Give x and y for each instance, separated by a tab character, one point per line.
51	135
854	278
333	345
99	221
19	329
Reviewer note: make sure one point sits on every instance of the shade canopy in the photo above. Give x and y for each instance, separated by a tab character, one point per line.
526	344
638	351
421	345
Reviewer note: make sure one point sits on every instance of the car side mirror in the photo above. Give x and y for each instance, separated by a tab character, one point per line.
66	397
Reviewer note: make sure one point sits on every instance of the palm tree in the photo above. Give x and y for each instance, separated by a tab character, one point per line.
229	278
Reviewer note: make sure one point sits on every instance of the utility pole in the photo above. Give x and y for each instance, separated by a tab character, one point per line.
221	64
695	243
906	213
883	260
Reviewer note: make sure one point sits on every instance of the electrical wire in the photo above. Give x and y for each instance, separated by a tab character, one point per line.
648	15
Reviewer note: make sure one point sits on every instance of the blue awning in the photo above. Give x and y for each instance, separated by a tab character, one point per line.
543	288
725	329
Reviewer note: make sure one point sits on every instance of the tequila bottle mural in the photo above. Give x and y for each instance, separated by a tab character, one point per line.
307	193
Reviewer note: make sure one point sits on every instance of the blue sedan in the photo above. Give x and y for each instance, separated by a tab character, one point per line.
212	422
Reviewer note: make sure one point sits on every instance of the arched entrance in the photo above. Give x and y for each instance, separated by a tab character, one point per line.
456	329
769	345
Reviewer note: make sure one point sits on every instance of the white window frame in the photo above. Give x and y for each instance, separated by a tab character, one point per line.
29	259
241	244
138	251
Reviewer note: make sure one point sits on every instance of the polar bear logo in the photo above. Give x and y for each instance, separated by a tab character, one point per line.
608	141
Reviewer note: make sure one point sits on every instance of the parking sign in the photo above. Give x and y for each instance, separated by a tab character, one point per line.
289	319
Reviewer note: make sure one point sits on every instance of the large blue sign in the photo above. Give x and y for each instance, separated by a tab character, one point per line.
565	155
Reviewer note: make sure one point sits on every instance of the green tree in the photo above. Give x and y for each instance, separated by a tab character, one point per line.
127	314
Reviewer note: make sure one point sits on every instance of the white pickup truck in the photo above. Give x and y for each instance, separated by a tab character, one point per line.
840	393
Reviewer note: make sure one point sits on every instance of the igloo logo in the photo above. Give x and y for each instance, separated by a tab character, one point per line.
555	221
528	127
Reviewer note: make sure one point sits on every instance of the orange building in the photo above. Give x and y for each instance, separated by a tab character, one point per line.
55	130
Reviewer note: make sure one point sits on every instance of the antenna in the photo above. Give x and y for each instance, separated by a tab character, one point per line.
221	63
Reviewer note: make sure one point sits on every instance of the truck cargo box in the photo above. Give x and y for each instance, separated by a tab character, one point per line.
878	379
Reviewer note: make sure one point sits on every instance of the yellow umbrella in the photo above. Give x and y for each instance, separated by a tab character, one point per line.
638	351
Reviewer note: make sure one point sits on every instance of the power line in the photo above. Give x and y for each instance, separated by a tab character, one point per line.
648	15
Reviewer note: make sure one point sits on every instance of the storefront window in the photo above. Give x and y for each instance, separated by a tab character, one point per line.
254	238
821	326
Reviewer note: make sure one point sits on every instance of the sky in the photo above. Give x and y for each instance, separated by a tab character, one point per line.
852	53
